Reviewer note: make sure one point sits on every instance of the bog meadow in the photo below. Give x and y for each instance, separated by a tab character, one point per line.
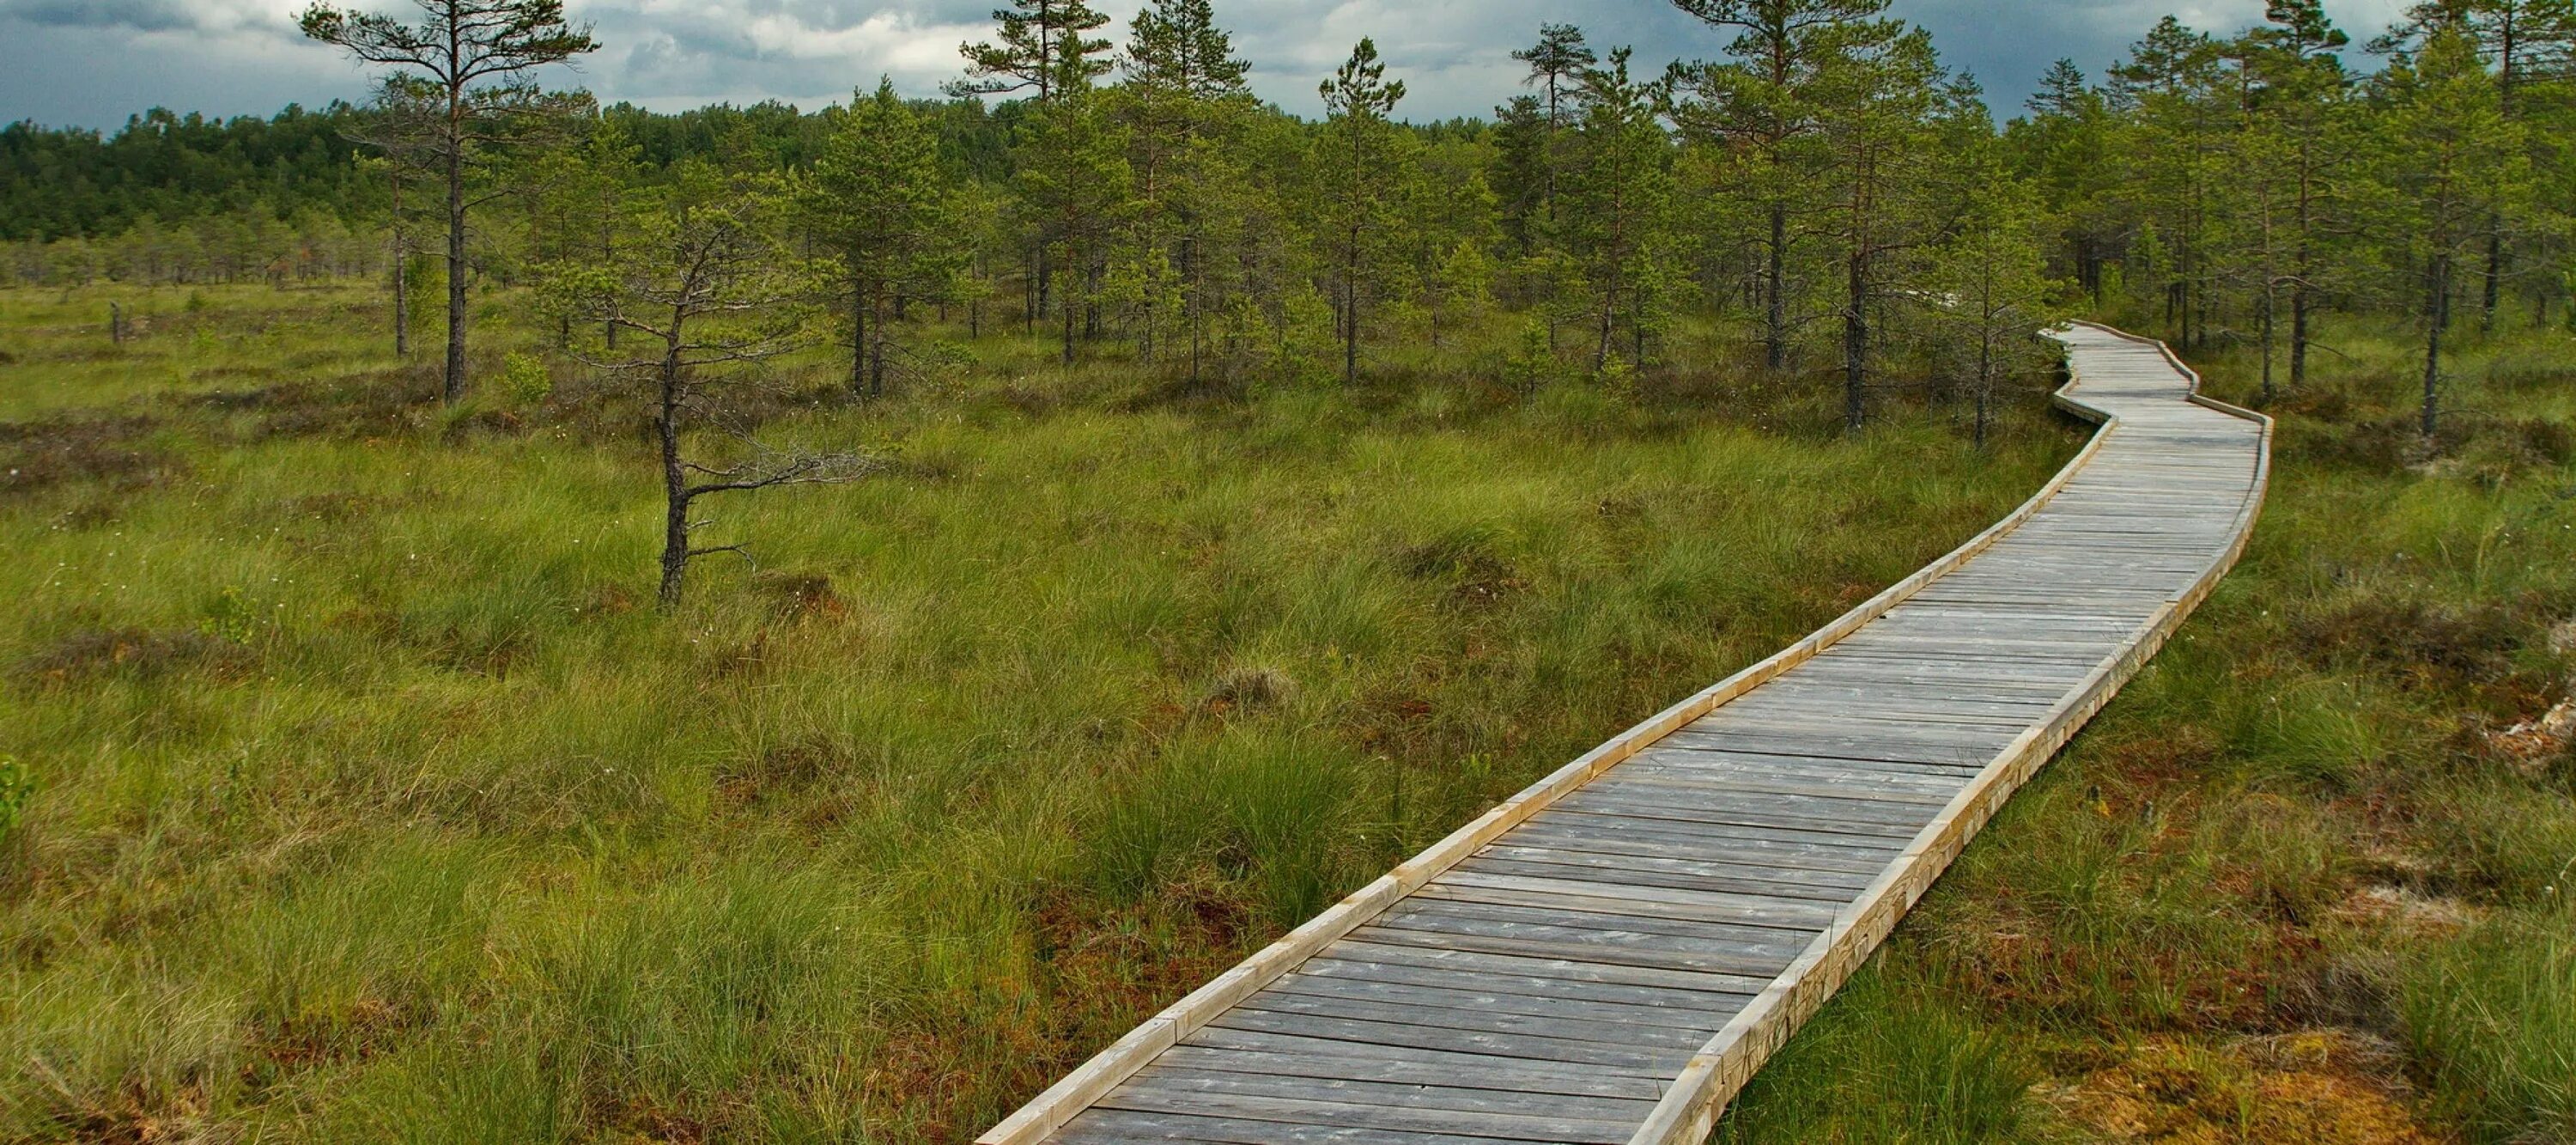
533	619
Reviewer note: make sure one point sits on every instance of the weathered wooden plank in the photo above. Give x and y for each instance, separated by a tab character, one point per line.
1734	814
1679	755
1847	780
1178	1077
1612	822
1685	1005
1844	812
1099	1126
1643	902
1732	882
1227	1040
1457	994
1591	948
1841	781
1327	1002
1146	1096
1850	816
1639	839
1537	1047
1572	971
1782	870
1564	921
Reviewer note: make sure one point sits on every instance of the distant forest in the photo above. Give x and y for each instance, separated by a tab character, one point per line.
1823	181
177	168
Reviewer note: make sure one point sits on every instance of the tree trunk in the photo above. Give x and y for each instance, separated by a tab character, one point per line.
1856	343
675	479
607	244
1985	384
1775	318
1351	313
1637	328
1193	301
402	256
1601	348
2494	287
454	390
1066	304
858	339
1046	276
2299	337
1091	302
402	304
2266	322
2438	314
876	360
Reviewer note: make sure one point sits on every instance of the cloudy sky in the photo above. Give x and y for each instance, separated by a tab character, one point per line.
93	62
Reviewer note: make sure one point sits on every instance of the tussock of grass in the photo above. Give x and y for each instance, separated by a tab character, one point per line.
1882	1067
2493	1022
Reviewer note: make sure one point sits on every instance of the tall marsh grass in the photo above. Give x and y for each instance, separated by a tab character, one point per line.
374	801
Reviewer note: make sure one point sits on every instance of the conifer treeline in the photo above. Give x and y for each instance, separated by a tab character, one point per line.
1823	184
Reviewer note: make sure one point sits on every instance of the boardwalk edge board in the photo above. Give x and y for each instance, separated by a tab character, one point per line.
1690	1105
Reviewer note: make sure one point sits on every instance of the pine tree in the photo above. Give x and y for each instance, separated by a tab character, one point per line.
2531	45
1878	99
2174	136
1757	105
1458	290
1363	158
1044	48
1993	296
2454	162
1619	191
1520	171
580	196
877	201
474	53
1183	93
1557	65
404	133
2304	111
2064	146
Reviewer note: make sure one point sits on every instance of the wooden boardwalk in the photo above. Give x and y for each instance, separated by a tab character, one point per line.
1608	956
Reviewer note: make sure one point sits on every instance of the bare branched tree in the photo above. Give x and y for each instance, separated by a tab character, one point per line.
473	54
711	290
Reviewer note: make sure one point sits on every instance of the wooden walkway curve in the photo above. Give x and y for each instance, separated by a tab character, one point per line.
1608	956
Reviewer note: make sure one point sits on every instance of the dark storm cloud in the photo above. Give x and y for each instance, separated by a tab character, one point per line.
140	15
93	62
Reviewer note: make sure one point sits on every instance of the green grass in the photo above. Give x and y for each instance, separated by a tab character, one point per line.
2290	886
373	803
